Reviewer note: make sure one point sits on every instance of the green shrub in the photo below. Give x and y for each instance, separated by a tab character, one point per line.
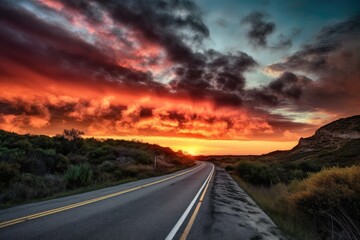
30	186
267	174
332	198
106	166
7	173
61	163
78	176
257	174
33	166
274	201
77	159
140	156
101	154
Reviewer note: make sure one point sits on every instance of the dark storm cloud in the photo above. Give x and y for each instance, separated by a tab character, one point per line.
259	28
167	23
63	110
333	59
219	76
314	57
90	9
289	85
282	91
125	44
217	71
175	25
261	97
55	52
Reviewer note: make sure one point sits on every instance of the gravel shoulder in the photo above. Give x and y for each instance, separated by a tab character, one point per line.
230	213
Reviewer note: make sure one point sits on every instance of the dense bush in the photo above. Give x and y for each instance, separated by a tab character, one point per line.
78	176
33	166
293	193
272	173
30	186
107	167
332	198
99	155
7	173
138	155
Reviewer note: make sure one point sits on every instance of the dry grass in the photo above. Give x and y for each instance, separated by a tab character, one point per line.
273	200
332	198
326	205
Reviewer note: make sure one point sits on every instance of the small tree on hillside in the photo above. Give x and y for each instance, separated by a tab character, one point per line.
72	134
70	141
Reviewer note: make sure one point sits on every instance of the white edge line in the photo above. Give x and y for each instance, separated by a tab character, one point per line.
181	220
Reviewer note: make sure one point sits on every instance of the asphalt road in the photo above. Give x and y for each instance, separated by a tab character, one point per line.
189	204
150	212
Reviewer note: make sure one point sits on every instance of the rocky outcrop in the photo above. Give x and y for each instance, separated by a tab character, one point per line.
332	135
335	144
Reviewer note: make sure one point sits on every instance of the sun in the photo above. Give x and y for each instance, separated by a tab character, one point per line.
191	150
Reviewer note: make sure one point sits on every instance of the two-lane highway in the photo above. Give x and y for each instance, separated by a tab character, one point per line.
155	208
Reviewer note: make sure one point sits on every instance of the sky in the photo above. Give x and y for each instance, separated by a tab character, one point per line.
202	76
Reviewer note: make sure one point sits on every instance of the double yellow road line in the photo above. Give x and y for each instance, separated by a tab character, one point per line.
75	205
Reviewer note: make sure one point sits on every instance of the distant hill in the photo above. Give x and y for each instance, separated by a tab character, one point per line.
337	143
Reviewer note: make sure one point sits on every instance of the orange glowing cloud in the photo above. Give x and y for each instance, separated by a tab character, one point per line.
109	71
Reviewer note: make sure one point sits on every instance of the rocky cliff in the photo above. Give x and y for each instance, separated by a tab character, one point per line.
331	136
337	143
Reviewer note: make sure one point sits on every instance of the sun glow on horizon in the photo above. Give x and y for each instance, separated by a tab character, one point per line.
194	146
191	150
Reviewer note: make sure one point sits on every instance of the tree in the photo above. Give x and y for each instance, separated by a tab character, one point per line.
72	134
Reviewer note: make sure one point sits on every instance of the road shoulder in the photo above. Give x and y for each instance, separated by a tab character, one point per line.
230	213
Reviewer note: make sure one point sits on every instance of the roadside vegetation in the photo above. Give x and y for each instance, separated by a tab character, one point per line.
305	200
311	192
37	167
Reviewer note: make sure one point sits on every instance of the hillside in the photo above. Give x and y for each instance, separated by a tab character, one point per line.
37	166
312	190
337	143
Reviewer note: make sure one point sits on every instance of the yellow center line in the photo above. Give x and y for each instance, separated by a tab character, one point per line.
196	211
61	209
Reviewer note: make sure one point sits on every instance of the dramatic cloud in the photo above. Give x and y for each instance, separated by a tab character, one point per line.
285	90
315	57
259	29
173	25
219	76
289	85
144	68
332	60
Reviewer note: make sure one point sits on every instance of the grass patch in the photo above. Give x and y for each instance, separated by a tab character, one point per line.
273	201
